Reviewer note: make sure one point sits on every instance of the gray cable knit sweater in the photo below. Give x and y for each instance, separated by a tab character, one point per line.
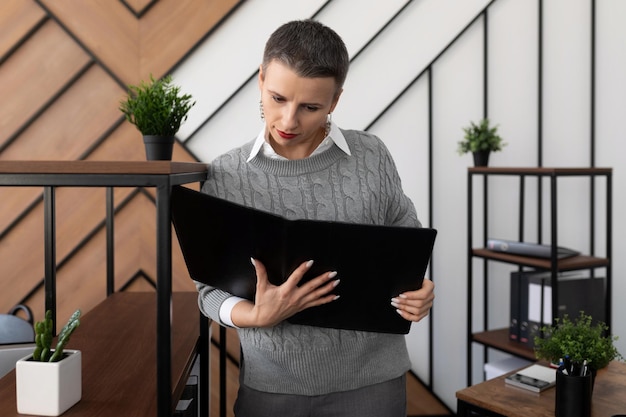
361	188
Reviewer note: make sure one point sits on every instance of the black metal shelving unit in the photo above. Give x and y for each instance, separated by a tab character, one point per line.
499	338
160	175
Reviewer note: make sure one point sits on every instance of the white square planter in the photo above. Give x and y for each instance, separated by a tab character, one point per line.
48	388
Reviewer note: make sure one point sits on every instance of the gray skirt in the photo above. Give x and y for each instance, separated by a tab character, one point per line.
386	399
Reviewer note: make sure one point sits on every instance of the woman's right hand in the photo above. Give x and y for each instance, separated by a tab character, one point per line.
273	304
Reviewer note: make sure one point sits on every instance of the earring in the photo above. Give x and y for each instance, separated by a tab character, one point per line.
329	119
261	110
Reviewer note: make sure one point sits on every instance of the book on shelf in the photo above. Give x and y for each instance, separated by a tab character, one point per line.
529	249
374	263
535	378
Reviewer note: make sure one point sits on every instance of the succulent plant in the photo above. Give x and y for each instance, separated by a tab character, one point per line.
43	337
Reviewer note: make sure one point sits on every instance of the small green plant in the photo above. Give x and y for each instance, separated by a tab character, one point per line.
579	341
43	337
480	137
156	107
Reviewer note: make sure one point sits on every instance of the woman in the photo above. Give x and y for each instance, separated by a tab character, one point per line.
303	166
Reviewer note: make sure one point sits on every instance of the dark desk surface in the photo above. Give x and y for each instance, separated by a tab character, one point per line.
609	396
117	340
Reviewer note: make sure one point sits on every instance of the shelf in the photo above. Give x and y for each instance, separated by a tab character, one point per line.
100	167
539	171
568	264
499	339
161	349
117	339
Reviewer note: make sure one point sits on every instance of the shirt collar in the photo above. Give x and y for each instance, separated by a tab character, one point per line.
334	136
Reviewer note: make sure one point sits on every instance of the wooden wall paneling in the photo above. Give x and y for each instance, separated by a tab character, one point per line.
81	282
77	119
21	259
124	143
34	74
131	47
139	6
15	200
232	384
139	283
143	211
232	370
17	19
86	204
171	28
25	272
107	29
69	64
232	340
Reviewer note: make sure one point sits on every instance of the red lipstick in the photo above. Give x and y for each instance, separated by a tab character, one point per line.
285	135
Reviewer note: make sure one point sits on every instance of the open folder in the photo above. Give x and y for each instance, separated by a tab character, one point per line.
374	263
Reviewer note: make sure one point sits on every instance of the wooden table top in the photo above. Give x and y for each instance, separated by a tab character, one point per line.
100	167
609	396
118	344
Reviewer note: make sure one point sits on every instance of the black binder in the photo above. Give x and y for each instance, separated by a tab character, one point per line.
576	293
529	249
374	263
514	322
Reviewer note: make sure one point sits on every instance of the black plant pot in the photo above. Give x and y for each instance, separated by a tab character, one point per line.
481	158
158	148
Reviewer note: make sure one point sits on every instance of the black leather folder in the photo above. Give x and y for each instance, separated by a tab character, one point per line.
374	263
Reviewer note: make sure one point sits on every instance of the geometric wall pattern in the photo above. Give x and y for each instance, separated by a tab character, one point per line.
64	67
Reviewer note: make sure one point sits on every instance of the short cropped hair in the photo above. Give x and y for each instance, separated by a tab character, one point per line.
310	49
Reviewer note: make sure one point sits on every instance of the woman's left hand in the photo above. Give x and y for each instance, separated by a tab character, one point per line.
415	305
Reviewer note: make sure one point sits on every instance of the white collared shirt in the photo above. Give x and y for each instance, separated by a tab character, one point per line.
262	145
334	136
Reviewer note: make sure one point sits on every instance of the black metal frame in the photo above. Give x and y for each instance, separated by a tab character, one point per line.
163	184
522	173
465	409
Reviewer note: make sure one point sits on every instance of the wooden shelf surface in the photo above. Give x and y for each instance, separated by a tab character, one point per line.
100	167
498	397
567	264
118	344
499	339
539	171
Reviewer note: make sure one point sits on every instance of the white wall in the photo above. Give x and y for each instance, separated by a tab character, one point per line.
387	66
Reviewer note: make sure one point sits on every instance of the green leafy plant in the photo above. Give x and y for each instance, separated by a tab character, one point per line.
480	137
579	341
156	107
43	337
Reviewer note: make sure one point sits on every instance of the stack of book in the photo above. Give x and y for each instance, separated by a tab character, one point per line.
535	378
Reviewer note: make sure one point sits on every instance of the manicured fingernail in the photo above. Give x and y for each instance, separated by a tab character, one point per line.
394	300
402	296
309	263
253	261
336	282
399	312
395	304
336	298
332	275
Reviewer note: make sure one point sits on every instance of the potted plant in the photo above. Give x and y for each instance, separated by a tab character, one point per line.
480	139
157	108
580	342
48	381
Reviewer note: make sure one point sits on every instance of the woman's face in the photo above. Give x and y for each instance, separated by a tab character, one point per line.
295	109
